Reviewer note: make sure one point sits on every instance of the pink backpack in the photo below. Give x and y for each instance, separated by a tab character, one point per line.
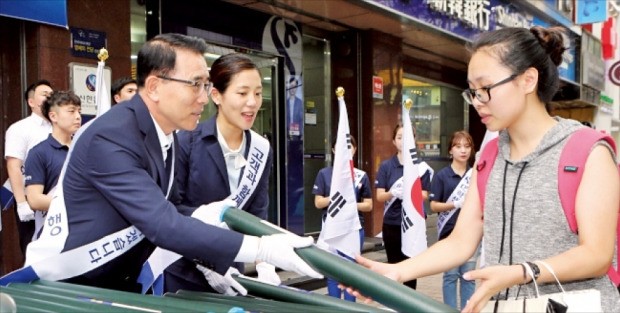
570	171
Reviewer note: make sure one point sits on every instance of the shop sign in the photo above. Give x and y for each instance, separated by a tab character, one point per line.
614	73
377	87
466	19
590	11
592	64
86	43
606	104
82	81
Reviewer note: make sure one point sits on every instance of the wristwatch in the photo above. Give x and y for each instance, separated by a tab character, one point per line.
535	269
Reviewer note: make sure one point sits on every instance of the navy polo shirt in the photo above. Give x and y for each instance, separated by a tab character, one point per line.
44	163
322	185
444	183
389	172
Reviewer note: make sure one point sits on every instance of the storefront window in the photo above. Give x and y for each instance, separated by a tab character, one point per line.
437	112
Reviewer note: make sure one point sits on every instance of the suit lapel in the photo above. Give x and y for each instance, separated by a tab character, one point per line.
214	149
151	142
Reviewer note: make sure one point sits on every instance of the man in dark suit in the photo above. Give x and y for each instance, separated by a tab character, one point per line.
119	176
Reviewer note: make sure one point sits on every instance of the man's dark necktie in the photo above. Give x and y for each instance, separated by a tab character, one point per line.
168	175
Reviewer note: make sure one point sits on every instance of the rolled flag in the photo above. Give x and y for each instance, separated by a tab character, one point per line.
341	227
293	295
6	196
413	224
102	96
388	292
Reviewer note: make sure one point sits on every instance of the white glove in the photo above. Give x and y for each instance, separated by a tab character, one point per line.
25	212
267	274
223	284
459	203
397	191
212	213
278	250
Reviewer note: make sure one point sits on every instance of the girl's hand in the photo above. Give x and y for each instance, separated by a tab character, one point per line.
385	269
492	280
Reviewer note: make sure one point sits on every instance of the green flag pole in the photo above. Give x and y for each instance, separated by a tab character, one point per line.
380	288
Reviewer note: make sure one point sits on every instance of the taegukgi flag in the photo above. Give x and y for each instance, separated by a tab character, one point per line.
413	224
341	227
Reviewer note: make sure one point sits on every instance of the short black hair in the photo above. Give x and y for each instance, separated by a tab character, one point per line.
118	84
30	90
57	99
158	55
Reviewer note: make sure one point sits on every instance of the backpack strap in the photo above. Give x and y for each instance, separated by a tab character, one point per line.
571	166
570	171
484	166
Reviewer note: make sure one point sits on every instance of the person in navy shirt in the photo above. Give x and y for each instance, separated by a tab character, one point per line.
215	156
363	194
45	160
390	171
448	207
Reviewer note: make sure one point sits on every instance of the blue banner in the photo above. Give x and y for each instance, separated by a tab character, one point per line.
52	12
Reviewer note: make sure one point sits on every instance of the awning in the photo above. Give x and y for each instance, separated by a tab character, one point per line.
51	12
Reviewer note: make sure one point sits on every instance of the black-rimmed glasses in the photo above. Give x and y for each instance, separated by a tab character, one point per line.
483	94
200	86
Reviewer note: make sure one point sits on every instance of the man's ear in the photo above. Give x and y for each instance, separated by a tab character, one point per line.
117	98
31	102
52	116
151	85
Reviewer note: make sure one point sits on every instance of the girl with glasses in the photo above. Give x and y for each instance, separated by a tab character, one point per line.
512	77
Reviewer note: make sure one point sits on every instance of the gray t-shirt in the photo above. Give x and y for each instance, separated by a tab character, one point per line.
539	226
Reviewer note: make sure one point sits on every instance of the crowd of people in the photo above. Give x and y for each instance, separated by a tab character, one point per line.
146	181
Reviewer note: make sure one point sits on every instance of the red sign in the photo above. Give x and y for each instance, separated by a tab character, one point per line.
614	73
609	39
377	87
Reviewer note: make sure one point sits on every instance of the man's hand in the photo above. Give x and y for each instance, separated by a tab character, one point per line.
279	250
25	212
267	273
212	213
223	284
